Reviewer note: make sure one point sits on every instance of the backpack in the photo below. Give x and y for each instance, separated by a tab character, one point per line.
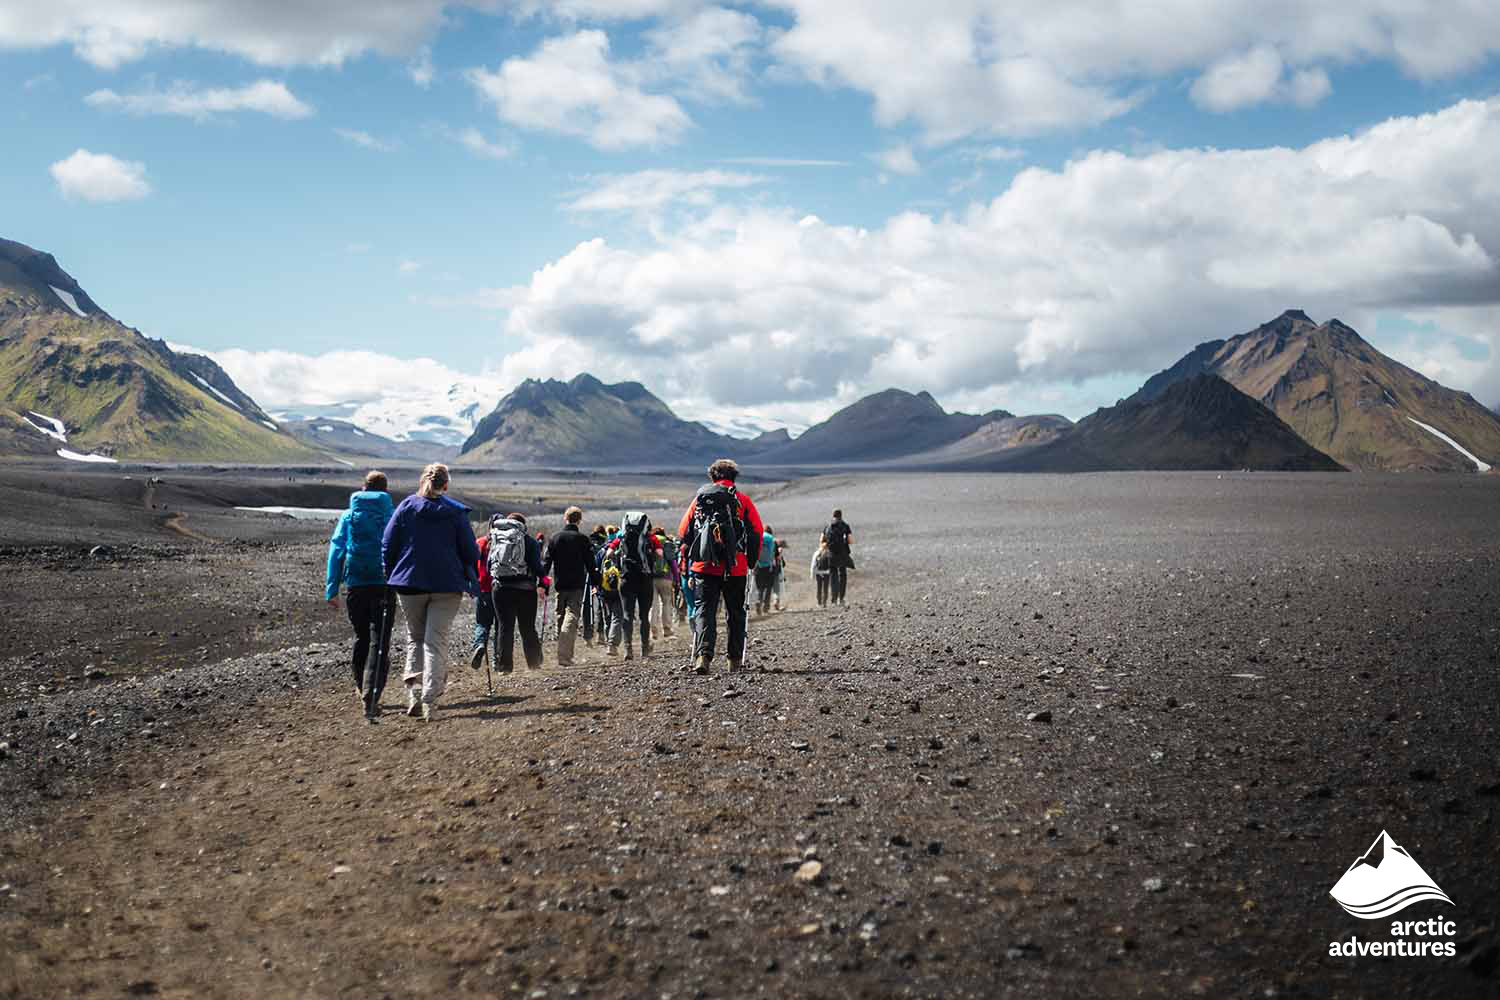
507	549
718	533
635	544
837	534
661	565
609	573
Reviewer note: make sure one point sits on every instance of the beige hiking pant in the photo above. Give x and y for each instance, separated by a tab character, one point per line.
569	608
428	619
661	608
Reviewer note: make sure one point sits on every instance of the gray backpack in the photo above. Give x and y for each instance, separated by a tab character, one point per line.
507	549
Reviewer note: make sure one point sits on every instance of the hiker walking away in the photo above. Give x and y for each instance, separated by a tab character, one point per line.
515	561
593	605
354	561
610	603
765	572
637	551
778	581
822	565
839	537
663	577
687	589
570	563
721	530
431	561
484	605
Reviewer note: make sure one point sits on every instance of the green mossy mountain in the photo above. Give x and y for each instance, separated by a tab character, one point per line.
1343	396
117	393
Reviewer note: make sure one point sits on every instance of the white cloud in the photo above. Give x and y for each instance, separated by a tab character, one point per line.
409	266
474	141
898	160
1113	264
364	139
325	33
1011	67
1257	76
705	55
269	97
999	154
653	190
100	177
569	85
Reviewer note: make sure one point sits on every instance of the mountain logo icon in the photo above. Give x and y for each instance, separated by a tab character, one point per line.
1384	880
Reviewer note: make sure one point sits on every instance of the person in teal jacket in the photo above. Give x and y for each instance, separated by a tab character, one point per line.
356	563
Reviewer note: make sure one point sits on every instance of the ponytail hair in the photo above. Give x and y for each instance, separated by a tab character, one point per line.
434	481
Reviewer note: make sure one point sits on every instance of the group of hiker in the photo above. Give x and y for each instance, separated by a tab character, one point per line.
614	585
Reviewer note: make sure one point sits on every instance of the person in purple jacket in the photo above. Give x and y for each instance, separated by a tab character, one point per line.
431	561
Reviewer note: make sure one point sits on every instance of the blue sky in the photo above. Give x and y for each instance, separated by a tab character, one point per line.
762	211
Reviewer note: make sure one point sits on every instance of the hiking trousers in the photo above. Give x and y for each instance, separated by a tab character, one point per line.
823	589
372	613
428	619
765	578
484	620
515	606
635	607
661	608
838	581
711	590
569	609
609	618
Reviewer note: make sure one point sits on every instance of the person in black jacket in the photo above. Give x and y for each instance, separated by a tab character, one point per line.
570	563
515	604
839	537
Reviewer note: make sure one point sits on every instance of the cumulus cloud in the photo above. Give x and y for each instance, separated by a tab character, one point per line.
474	141
706	55
654	190
420	69
1112	264
269	97
1010	67
364	139
100	177
326	33
569	85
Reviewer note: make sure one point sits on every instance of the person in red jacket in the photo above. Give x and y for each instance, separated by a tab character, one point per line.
720	580
484	608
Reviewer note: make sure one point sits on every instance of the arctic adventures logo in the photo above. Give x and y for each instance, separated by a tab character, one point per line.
1382	882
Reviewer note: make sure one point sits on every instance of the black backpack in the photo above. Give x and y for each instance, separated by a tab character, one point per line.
718	534
635	557
837	534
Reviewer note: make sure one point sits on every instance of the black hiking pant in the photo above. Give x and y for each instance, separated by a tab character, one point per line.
635	605
823	590
838	578
711	590
372	613
516	606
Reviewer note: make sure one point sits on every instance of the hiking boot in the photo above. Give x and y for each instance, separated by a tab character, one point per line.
700	665
735	665
476	658
413	702
612	651
629	654
372	707
428	711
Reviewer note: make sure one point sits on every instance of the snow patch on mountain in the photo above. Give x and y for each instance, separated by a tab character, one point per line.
204	382
50	426
68	299
443	415
1481	465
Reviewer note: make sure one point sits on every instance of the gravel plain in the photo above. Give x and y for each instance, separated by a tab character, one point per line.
1104	735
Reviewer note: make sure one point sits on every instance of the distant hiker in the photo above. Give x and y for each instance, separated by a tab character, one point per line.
765	572
515	562
593	603
721	530
822	566
610	577
839	537
663	577
636	551
570	563
778	581
484	605
688	590
354	561
431	561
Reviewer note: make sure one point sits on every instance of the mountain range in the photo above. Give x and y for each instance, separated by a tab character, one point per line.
1290	394
76	382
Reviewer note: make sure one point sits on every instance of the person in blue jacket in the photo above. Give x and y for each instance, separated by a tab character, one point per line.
356	563
431	561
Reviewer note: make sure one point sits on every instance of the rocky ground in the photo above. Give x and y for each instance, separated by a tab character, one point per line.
1081	736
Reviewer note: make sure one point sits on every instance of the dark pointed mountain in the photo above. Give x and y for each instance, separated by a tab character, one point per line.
343	438
116	393
586	422
887	426
1344	397
1199	422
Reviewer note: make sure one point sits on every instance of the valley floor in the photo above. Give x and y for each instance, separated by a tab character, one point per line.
1079	736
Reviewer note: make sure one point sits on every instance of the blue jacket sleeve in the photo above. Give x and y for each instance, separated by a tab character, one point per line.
338	547
534	558
468	548
390	543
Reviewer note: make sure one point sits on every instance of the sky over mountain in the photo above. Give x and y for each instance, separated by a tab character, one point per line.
768	208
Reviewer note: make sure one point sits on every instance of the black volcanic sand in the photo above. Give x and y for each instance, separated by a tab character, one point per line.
1244	679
